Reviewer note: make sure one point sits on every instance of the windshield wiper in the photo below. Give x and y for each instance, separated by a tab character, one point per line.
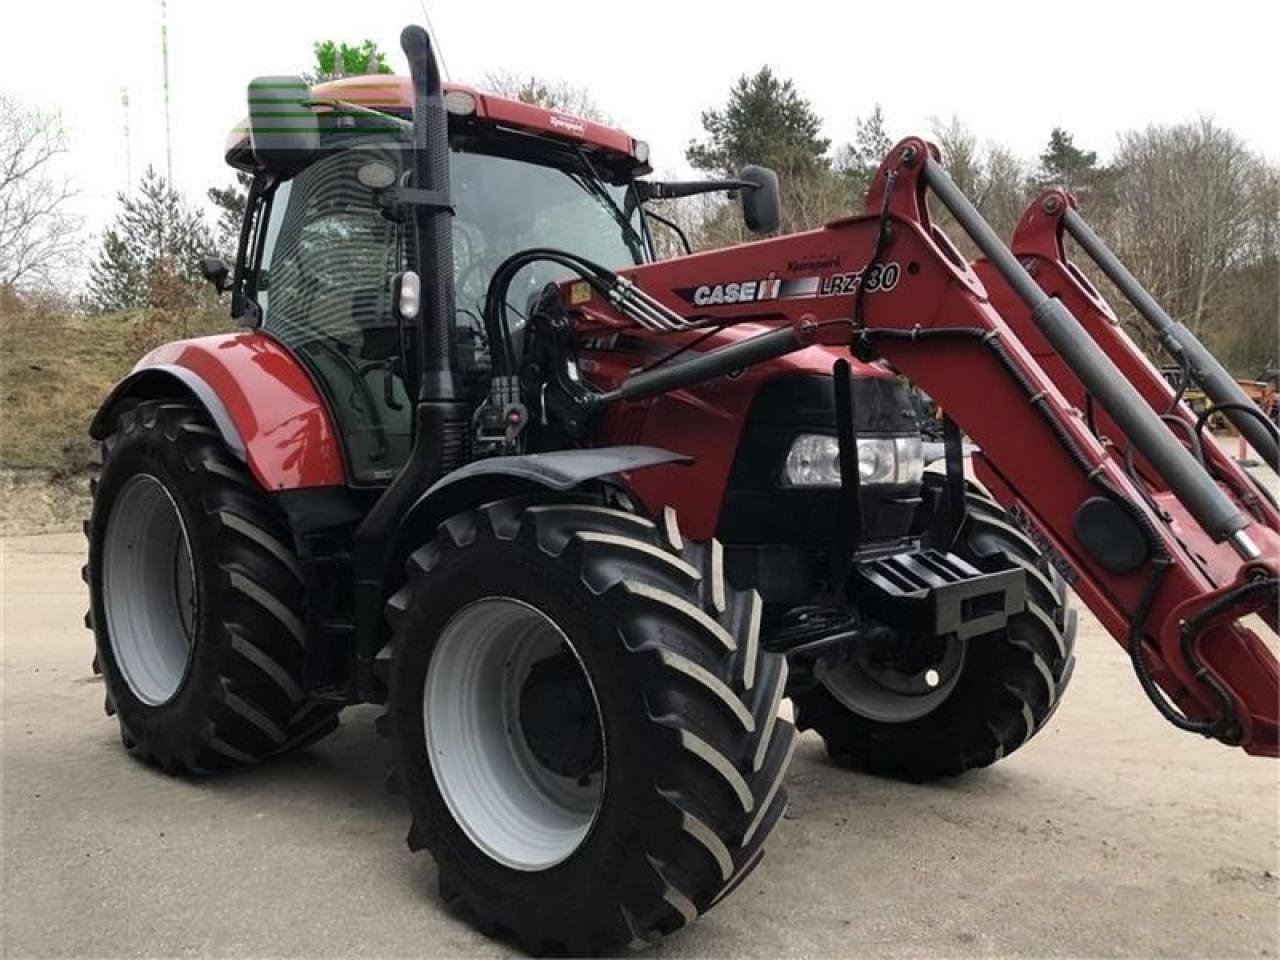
593	186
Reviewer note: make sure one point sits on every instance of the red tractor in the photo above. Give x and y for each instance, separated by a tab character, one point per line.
441	470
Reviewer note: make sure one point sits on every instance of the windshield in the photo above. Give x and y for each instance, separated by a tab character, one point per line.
503	206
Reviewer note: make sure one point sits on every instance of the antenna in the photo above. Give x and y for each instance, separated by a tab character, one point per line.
435	39
128	142
164	57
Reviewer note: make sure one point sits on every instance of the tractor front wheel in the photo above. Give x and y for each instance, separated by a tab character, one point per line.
196	599
922	708
585	723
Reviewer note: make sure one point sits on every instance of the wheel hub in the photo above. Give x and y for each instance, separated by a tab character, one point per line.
558	717
894	679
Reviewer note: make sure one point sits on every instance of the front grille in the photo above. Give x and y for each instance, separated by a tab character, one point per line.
757	510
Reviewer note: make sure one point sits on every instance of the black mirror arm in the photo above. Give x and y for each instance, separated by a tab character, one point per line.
672	190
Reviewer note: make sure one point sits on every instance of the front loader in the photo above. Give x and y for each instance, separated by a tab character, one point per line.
581	519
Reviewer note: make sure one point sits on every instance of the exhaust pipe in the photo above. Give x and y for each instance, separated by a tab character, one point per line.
1205	369
432	217
440	417
1192	485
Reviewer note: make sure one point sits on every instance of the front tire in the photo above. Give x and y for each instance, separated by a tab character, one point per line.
1000	692
585	723
196	599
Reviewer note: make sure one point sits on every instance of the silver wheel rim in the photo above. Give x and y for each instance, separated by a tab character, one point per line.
892	696
512	807
149	590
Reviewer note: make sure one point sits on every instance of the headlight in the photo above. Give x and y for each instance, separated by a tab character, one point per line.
814	461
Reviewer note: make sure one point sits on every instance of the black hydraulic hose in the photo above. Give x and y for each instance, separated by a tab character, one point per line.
1224	725
877	247
1252	410
1246	408
495	301
681	351
1197	447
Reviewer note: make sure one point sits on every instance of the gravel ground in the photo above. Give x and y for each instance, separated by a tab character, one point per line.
1111	834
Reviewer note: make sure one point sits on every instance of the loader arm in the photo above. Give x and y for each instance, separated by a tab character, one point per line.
1169	573
1208	560
1038	243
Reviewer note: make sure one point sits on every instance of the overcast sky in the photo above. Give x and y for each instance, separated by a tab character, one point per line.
1011	70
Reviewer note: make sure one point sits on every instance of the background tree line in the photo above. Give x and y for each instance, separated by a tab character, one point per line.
1189	207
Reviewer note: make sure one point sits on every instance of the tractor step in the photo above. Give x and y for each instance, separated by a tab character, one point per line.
933	593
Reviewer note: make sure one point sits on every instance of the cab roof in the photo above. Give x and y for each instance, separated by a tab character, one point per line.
394	94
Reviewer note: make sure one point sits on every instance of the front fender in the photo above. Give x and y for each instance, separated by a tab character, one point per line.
482	481
260	399
561	470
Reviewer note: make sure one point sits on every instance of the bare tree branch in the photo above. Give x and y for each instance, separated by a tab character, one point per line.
37	233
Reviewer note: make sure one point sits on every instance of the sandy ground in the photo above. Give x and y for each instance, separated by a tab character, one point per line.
31	501
1111	834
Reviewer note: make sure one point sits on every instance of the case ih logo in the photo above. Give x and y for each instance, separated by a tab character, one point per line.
883	277
570	124
743	291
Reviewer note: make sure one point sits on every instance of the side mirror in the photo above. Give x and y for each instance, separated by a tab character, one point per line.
284	132
216	271
761	208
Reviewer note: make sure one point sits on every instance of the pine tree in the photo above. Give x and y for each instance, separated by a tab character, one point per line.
231	202
1063	164
860	159
150	255
766	121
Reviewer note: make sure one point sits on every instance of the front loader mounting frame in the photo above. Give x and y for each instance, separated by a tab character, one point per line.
1169	573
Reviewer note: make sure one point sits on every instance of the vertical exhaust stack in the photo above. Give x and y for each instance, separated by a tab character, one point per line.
432	216
1192	485
440	417
1203	366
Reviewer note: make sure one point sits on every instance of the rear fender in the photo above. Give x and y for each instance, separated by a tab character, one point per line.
262	402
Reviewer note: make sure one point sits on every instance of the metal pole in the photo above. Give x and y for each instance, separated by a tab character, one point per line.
128	144
1204	367
164	56
1192	485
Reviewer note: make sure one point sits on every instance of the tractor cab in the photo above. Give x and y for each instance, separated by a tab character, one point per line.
322	244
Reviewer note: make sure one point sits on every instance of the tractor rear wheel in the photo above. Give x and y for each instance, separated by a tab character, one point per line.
196	600
921	709
585	723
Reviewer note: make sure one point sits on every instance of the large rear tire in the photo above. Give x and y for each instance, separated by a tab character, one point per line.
982	700
585	723
196	599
